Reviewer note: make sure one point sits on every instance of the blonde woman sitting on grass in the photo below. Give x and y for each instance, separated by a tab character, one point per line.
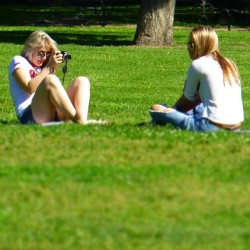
212	84
38	95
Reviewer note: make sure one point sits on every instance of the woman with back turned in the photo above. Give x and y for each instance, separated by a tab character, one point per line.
212	84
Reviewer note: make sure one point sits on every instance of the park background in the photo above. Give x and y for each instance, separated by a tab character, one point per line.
121	186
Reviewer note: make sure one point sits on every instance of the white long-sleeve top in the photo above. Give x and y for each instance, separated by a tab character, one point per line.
222	101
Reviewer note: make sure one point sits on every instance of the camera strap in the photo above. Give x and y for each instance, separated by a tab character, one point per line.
64	70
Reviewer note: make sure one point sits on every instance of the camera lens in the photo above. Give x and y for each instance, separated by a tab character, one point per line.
66	56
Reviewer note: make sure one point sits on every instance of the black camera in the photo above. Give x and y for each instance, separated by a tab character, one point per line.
66	56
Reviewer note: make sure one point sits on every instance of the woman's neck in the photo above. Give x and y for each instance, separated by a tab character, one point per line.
37	68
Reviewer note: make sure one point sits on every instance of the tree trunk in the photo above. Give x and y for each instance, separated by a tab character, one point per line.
155	23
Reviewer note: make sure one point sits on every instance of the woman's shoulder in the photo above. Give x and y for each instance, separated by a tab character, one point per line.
18	60
203	61
201	64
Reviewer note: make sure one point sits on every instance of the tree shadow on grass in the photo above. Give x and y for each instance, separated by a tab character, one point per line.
87	38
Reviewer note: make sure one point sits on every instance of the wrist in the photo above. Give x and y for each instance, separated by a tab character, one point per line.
50	70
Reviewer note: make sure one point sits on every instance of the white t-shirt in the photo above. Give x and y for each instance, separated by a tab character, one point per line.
20	98
222	102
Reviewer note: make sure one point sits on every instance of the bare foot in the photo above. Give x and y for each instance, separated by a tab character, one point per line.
161	108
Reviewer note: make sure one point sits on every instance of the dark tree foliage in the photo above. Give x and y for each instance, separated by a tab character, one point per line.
70	2
233	4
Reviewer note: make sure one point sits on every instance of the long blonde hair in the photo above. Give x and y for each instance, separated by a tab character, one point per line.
205	42
36	40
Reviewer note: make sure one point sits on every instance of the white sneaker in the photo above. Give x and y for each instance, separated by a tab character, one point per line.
102	122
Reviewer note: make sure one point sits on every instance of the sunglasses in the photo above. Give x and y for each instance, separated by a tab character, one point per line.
42	54
190	45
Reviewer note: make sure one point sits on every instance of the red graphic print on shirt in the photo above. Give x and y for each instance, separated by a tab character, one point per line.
33	73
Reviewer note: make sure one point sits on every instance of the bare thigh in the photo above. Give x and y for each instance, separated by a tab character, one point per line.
42	108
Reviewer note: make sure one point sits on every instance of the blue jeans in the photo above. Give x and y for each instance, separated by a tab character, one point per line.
191	121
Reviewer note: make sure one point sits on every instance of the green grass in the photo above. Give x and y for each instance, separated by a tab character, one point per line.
122	186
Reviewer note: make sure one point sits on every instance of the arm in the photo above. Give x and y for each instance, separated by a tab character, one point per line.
184	105
26	82
190	97
29	84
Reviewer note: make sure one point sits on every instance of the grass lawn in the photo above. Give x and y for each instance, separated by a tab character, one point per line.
123	186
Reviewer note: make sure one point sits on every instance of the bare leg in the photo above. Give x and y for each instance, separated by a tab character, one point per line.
49	97
79	94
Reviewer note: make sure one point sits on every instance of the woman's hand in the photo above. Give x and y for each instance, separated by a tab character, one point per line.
54	60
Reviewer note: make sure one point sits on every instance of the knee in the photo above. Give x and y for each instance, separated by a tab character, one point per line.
83	81
51	81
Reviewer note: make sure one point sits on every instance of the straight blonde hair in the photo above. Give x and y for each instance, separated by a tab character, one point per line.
206	42
36	40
